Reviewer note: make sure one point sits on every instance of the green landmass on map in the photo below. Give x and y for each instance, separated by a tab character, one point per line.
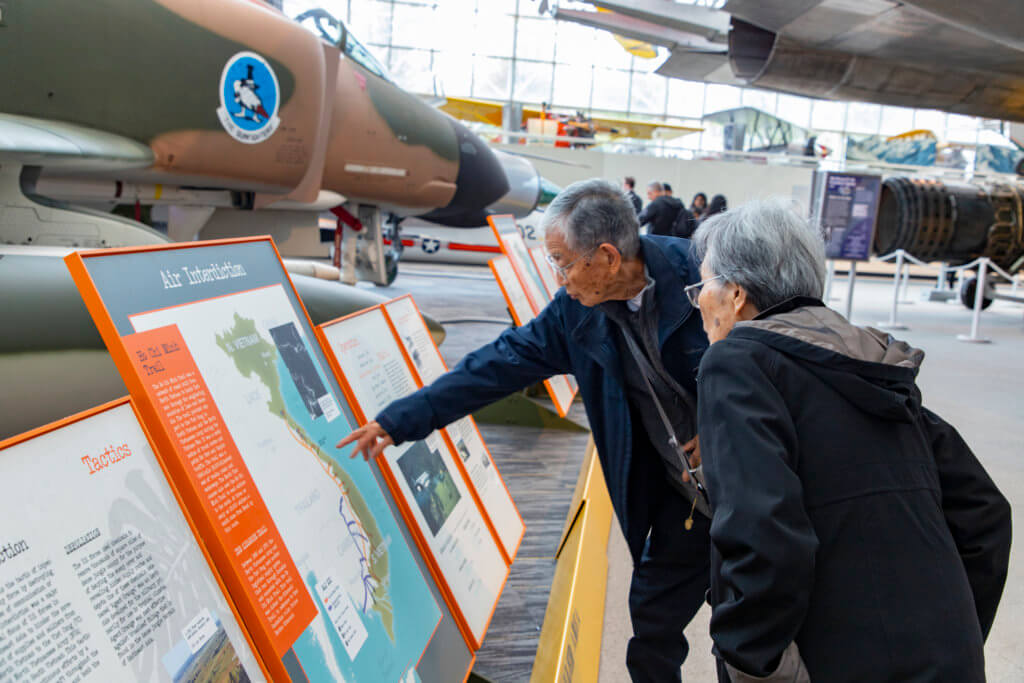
259	357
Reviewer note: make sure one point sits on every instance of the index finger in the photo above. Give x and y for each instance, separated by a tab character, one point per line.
355	434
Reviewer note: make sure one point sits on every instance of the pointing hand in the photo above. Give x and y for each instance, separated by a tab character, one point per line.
370	439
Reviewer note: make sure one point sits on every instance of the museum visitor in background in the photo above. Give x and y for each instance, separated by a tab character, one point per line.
698	205
717	206
855	535
661	213
628	185
622	325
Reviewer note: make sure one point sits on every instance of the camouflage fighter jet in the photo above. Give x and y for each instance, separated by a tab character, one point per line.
229	99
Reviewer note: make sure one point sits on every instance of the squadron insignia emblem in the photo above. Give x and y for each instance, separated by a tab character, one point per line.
249	98
430	245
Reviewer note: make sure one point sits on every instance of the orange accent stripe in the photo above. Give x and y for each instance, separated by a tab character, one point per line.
456	246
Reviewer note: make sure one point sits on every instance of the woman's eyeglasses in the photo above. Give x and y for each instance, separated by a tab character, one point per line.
693	291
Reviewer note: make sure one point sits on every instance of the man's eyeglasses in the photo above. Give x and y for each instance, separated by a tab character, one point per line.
693	291
563	271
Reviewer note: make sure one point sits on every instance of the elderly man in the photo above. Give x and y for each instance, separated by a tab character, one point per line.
855	537
622	325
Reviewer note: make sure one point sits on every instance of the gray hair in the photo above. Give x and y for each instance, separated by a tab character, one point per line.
589	213
766	248
656	186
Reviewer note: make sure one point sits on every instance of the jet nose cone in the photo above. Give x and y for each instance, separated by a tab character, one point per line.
480	182
481	178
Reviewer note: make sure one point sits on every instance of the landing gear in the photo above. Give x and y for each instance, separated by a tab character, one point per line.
393	255
363	255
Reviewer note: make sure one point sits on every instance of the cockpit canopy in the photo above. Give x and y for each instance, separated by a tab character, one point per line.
322	23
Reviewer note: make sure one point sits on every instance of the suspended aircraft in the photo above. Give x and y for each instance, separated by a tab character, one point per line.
959	57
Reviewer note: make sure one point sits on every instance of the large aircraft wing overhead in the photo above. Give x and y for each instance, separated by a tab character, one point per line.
961	57
995	20
39	142
712	67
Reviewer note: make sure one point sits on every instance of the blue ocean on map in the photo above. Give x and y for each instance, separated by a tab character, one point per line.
414	616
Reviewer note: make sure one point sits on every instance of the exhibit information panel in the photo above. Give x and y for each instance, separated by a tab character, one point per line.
559	387
848	213
547	274
544	269
514	247
101	577
425	475
463	435
216	347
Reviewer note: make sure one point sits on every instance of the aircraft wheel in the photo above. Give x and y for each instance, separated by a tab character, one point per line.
968	290
391	268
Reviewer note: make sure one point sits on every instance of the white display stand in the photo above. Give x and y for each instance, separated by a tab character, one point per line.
463	435
448	521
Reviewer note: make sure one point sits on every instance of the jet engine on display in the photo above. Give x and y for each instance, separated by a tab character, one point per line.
230	103
952	222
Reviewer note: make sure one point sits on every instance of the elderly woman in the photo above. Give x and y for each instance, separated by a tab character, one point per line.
855	536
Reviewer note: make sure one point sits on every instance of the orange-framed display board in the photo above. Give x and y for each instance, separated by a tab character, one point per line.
560	387
514	247
547	276
434	493
219	354
544	270
463	436
535	293
102	576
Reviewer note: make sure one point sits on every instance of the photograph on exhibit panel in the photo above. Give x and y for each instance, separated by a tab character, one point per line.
408	324
102	578
214	342
432	484
300	367
441	509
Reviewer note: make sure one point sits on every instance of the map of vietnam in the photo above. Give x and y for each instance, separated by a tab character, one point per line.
252	355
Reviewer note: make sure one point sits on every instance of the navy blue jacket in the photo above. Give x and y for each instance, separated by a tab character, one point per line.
570	338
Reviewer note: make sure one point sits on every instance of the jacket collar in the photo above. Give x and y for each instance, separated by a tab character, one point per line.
594	330
789	305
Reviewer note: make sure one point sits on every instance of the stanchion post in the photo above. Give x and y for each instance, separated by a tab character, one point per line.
892	323
851	278
830	274
979	296
906	285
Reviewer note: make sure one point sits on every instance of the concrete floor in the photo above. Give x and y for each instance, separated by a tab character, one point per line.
975	387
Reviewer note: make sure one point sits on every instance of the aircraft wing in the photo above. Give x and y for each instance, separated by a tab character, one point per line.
39	142
966	58
469	109
641	130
